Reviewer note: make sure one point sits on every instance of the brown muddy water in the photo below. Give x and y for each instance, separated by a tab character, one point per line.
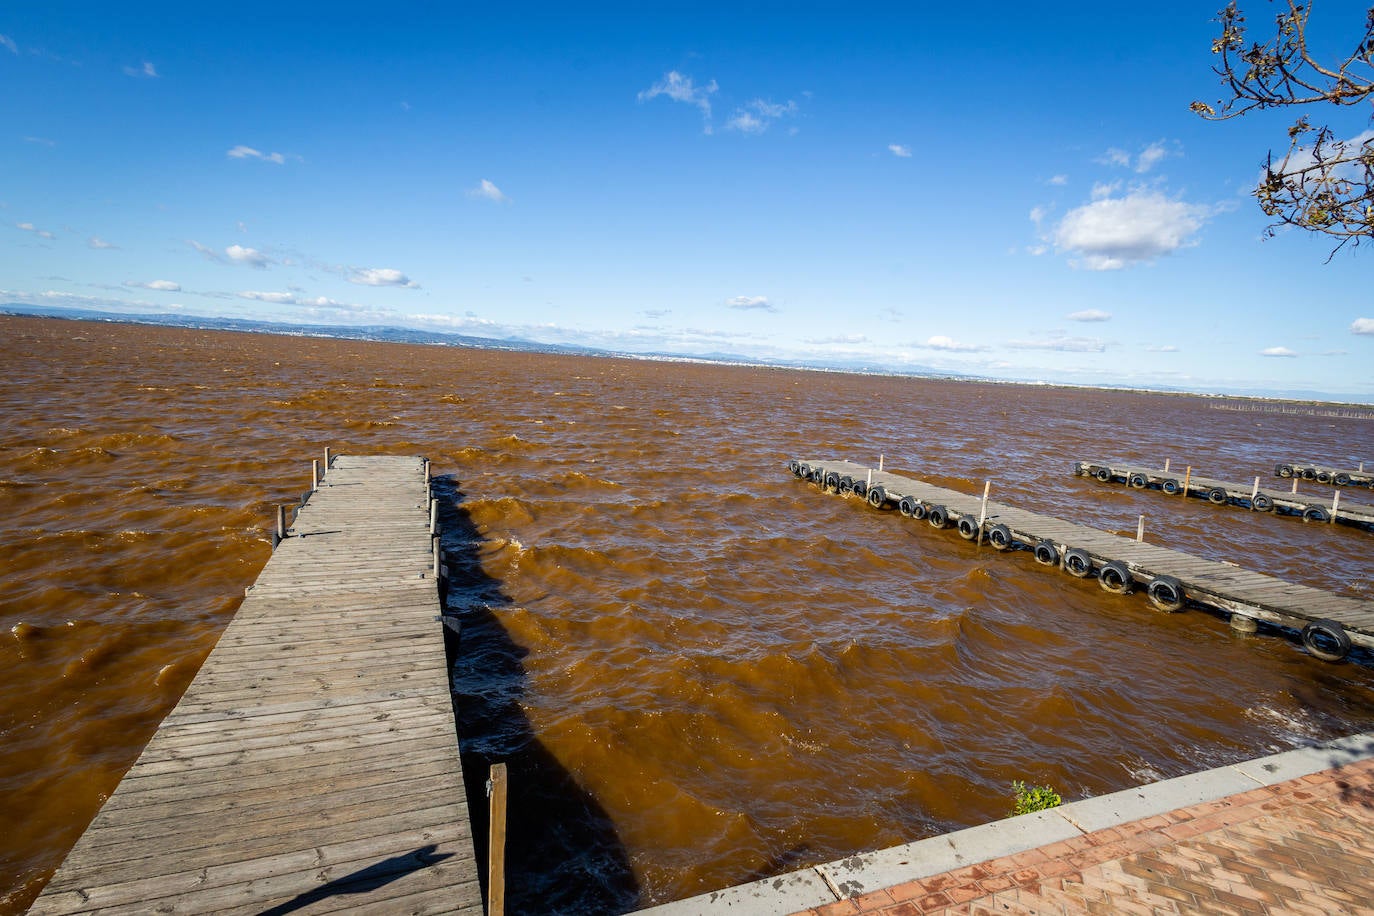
700	670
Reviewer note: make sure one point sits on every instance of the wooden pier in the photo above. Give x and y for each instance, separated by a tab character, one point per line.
1329	507
1337	477
312	765
1328	624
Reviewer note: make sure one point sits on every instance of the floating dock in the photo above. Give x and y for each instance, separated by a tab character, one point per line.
1328	624
1309	508
1337	477
312	765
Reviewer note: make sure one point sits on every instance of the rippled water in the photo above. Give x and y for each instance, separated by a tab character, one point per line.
699	669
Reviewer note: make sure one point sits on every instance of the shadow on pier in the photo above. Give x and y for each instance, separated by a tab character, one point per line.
562	852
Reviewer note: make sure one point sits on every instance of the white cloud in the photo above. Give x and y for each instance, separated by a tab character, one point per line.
40	141
275	298
488	191
247	152
30	227
1112	233
941	342
760	303
147	71
209	253
1362	326
901	152
1062	344
100	244
249	256
166	286
1059	180
1089	315
1162	348
680	88
1149	156
756	116
1103	189
8	42
380	276
1115	156
1277	351
847	340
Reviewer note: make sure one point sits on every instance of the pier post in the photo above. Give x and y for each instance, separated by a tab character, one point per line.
433	516
1254	491
880	462
1166	464
1187	477
326	458
314	474
1140	530
496	842
1295	484
1335	502
983	509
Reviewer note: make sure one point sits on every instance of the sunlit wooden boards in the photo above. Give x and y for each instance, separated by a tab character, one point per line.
312	765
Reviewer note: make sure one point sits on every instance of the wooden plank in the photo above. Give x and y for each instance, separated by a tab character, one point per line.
313	761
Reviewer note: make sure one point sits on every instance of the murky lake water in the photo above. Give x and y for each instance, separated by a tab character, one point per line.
699	670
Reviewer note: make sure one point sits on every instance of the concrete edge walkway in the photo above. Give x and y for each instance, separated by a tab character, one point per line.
870	872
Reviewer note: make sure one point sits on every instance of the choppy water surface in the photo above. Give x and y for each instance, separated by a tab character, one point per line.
700	670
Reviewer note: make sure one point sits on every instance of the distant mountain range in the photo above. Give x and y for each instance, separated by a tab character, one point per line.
390	334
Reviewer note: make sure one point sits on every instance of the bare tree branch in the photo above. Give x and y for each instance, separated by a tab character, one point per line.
1322	183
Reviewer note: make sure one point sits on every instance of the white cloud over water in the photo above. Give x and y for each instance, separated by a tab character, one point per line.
380	276
1112	233
165	286
949	344
486	190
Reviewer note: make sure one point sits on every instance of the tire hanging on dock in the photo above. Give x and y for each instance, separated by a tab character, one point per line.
1078	562
1165	593
907	506
1315	514
1171	487
968	527
1326	640
876	497
1284	470
1102	474
1115	577
938	516
1046	554
999	536
1217	496
1262	503
1138	481
1341	480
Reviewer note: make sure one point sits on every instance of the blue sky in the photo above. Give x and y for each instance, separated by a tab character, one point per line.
1002	190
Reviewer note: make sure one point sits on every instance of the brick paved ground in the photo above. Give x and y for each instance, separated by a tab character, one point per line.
1305	846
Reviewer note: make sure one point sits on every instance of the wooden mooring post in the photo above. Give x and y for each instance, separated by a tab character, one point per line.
496	842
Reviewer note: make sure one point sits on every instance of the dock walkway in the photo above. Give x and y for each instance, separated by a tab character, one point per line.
1329	507
312	765
1329	624
1337	477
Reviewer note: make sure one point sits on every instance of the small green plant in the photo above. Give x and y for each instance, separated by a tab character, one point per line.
1034	798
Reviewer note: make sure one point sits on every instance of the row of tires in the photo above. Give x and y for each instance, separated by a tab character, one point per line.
1218	496
1325	639
1339	478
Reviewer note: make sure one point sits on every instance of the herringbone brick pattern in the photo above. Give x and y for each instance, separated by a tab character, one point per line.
1305	847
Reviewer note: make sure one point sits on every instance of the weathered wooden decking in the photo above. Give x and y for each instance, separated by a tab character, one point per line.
1329	506
1241	592
312	766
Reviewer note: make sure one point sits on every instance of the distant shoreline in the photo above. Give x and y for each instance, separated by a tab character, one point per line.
390	334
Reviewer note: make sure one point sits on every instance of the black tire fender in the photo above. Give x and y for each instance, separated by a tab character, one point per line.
1262	503
968	527
1115	577
1078	563
831	482
918	511
1309	474
861	489
1165	593
907	506
1046	554
938	516
1284	470
1217	496
1315	514
876	497
846	485
794	467
1138	481
1326	640
999	536
1103	474
1171	487
1341	480
1323	477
